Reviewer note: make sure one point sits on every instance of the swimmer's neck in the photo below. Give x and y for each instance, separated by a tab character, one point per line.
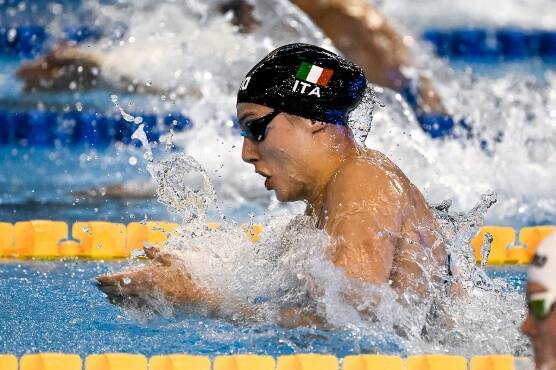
331	160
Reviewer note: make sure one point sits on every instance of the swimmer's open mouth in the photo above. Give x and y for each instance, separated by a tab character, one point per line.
267	183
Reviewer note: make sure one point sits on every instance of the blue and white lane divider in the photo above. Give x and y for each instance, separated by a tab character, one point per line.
43	128
453	43
31	40
507	43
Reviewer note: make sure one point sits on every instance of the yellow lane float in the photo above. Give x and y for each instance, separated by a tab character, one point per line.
109	240
308	361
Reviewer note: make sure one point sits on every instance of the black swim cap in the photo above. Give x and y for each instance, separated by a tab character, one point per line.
306	81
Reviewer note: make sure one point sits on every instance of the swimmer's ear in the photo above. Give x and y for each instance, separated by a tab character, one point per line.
316	126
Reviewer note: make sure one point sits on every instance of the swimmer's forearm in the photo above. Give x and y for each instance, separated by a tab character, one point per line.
362	33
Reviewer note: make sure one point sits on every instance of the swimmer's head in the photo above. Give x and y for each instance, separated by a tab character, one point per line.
293	108
540	324
306	81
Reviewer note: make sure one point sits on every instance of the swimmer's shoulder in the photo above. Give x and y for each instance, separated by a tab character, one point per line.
365	176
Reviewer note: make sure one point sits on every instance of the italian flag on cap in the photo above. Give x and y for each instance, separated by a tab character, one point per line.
314	74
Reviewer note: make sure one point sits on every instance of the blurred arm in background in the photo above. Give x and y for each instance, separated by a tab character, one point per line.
57	69
364	35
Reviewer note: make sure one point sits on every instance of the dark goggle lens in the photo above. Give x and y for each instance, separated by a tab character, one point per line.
256	129
538	308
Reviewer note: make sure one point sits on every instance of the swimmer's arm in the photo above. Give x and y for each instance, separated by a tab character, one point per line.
164	277
363	205
365	36
362	33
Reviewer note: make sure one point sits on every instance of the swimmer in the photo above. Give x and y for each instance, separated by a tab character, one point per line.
540	324
293	108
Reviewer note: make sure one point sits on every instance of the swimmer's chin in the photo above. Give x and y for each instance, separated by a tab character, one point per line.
283	197
268	184
281	194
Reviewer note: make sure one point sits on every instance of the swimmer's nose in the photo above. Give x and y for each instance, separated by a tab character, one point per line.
249	152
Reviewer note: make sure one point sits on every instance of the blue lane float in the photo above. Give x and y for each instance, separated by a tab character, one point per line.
506	43
43	128
22	40
28	41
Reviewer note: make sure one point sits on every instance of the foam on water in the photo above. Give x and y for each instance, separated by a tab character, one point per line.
196	59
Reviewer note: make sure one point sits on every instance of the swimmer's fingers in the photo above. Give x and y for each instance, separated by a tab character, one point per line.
162	257
151	252
110	285
165	258
130	283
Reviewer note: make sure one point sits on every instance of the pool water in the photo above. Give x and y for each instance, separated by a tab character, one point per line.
56	306
60	184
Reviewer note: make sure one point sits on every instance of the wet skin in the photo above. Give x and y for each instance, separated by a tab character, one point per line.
381	229
542	333
380	226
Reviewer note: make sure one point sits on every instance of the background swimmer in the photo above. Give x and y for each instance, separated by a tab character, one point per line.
293	109
540	324
355	27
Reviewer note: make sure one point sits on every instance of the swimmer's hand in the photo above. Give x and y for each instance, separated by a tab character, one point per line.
293	317
165	276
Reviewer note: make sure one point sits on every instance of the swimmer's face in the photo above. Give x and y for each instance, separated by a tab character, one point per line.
542	333
285	154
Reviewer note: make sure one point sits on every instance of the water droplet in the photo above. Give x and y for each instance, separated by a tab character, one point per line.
12	34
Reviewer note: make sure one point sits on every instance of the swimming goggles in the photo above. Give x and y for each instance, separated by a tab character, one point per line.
256	129
541	304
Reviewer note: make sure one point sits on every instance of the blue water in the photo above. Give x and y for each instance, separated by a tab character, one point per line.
48	183
55	306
